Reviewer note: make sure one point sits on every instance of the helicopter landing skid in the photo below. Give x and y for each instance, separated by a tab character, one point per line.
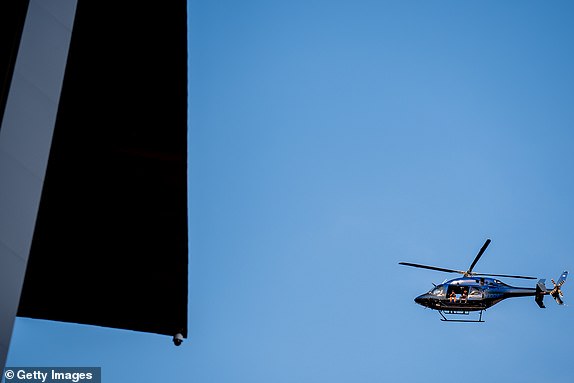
459	312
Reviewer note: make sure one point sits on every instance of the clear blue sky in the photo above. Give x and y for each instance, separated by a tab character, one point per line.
330	140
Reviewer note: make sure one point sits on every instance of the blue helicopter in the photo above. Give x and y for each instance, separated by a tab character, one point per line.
476	292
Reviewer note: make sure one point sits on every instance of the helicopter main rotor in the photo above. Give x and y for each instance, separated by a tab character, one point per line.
469	272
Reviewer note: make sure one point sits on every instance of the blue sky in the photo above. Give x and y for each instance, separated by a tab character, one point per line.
330	140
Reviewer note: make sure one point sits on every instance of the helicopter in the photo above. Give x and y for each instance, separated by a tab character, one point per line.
476	292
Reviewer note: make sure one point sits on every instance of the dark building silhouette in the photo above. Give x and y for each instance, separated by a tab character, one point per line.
108	241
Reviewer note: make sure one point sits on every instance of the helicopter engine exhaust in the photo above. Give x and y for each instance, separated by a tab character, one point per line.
556	291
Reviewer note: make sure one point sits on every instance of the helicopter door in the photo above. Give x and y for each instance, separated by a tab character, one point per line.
474	294
453	293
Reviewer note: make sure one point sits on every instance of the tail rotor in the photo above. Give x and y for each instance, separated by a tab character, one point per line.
556	292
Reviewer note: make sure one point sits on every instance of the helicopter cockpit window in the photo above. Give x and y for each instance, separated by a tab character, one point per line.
438	291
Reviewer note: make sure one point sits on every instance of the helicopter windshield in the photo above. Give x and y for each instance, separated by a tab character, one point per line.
438	291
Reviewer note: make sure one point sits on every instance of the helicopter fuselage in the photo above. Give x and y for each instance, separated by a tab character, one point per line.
479	291
470	294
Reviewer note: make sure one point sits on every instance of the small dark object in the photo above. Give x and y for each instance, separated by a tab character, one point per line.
178	339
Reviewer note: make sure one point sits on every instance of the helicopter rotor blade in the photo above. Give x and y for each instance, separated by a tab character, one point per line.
503	275
482	249
431	267
469	272
556	292
562	279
